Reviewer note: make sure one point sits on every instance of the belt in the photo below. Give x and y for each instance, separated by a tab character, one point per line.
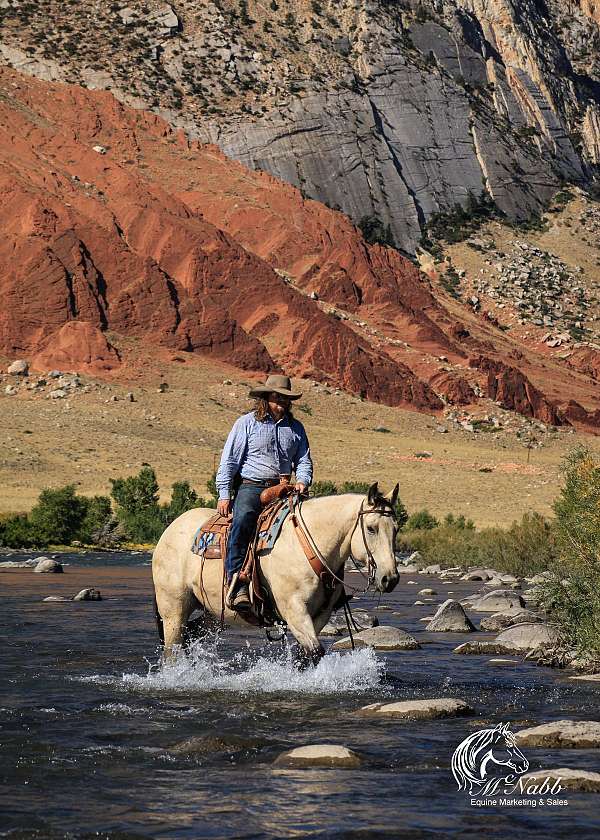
264	482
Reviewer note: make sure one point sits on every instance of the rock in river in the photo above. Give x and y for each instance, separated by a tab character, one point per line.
450	618
319	755
529	636
571	734
47	565
380	638
502	620
419	709
88	595
567	777
499	600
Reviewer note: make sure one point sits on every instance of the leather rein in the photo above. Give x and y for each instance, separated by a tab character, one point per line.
316	559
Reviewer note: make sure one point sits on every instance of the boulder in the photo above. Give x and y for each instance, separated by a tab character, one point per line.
529	636
499	600
567	777
57	598
502	662
450	618
501	620
434	569
479	574
10	391
587	677
562	734
18	368
46	565
18	564
419	709
319	755
337	626
88	595
408	570
423	592
380	638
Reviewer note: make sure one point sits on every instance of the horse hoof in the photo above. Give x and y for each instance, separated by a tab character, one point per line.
306	658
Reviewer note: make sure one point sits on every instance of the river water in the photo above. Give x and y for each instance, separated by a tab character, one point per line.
97	741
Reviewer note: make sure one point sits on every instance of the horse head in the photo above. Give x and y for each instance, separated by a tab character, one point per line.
504	752
374	536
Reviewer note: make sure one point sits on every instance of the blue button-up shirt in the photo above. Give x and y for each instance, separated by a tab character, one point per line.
264	450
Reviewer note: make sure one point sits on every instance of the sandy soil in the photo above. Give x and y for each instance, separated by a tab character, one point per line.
89	438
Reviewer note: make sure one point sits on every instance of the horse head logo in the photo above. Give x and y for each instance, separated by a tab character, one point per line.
488	759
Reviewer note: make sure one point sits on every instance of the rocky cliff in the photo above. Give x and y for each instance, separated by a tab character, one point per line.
388	109
114	221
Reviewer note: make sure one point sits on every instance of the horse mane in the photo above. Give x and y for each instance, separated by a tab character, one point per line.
465	761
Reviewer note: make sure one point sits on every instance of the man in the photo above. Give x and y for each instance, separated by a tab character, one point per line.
263	448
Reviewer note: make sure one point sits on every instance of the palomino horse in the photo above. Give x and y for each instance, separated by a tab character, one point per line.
339	526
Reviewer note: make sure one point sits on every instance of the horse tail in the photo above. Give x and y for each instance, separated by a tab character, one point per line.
159	621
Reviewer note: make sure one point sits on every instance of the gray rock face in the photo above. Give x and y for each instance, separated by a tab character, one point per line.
568	778
569	734
378	111
319	755
47	565
502	620
419	709
380	638
450	618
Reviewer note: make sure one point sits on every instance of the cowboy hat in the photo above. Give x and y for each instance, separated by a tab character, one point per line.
276	384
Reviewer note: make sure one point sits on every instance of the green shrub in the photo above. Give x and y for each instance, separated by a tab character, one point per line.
375	232
527	547
573	593
16	532
422	520
97	516
58	516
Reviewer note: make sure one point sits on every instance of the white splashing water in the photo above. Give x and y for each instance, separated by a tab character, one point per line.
201	670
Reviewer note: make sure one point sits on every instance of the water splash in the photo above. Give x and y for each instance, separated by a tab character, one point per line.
201	670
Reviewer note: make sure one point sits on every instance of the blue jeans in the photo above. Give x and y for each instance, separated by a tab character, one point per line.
246	510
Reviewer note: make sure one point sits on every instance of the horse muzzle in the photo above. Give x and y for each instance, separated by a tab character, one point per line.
387	583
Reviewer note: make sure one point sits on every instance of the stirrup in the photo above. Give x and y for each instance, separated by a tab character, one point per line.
231	591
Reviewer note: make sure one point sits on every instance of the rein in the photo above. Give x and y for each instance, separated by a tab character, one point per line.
371	564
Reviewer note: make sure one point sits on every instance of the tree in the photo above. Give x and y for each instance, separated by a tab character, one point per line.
137	504
183	498
97	516
58	515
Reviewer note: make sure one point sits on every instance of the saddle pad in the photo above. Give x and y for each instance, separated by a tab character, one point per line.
268	537
210	538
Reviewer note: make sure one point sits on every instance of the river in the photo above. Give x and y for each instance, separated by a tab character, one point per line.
96	739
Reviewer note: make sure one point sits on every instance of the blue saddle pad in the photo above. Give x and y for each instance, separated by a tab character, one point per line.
268	538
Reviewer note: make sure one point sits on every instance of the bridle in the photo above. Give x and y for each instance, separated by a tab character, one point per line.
371	563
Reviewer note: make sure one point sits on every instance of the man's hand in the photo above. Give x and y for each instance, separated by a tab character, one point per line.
299	487
224	506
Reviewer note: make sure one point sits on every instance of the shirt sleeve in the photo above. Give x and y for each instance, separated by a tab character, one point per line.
303	465
231	458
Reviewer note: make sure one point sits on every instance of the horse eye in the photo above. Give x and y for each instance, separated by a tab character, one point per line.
371	529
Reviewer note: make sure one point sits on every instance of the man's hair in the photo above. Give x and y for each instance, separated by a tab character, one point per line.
261	409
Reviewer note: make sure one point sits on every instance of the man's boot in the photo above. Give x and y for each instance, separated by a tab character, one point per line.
238	595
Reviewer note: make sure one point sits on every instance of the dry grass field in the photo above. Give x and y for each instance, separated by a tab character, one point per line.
92	436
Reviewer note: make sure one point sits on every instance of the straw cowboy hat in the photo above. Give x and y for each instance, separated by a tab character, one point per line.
276	384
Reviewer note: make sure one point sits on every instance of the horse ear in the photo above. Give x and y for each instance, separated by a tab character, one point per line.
391	497
373	494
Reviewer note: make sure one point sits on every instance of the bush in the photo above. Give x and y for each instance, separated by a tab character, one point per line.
15	532
421	521
58	516
97	517
573	593
527	547
323	488
375	232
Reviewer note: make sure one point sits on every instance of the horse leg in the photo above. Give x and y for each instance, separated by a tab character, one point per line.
302	628
174	612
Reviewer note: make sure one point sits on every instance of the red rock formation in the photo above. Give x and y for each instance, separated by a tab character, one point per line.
77	345
88	238
170	241
510	387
